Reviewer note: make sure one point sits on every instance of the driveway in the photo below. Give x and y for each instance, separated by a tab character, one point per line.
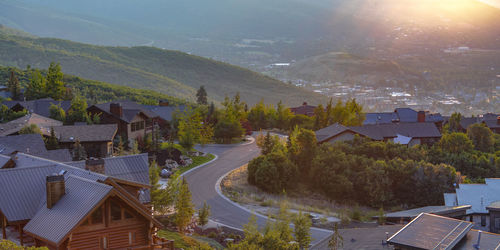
202	184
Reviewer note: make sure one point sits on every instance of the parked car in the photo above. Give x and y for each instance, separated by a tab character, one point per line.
165	173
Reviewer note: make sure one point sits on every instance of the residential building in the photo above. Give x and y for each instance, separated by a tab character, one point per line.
304	109
404	115
44	123
480	197
404	133
96	139
456	212
31	144
428	231
76	208
134	121
492	121
39	106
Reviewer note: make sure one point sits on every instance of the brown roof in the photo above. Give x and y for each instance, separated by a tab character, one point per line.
303	110
44	123
86	133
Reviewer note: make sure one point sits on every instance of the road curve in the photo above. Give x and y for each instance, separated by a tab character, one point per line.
202	184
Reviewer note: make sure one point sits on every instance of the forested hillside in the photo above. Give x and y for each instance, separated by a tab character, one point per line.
169	72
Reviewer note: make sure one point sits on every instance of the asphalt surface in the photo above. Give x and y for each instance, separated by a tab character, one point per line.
202	184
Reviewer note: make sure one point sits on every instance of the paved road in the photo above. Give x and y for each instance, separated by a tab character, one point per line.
202	183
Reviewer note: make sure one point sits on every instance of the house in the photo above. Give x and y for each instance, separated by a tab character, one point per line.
305	109
31	144
492	121
404	133
134	121
457	212
96	139
480	197
44	123
47	203
39	106
428	231
404	115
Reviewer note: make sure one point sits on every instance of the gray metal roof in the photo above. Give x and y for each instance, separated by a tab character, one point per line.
60	155
81	197
332	130
44	123
86	133
166	112
488	241
429	231
412	213
479	196
32	143
129	167
40	106
130	110
3	160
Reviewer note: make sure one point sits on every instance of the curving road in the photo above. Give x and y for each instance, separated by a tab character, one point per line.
202	184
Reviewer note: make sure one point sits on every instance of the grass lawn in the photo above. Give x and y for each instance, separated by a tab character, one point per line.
187	242
197	160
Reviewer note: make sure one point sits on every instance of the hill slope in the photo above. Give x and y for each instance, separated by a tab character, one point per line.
170	72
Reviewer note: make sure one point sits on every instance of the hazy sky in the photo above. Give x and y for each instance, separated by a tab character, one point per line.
495	3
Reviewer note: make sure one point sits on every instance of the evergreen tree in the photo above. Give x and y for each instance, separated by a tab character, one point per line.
36	86
30	129
79	153
454	122
482	137
201	96
54	85
302	225
203	214
184	206
78	110
337	241
52	142
57	113
14	86
120	146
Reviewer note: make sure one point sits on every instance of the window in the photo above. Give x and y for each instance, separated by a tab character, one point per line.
131	238
96	217
116	211
471	218
127	215
483	220
104	242
137	126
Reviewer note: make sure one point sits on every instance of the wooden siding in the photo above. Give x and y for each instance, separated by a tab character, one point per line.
117	236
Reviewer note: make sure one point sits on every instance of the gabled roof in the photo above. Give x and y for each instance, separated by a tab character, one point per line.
429	231
378	118
32	144
492	124
44	123
130	110
82	196
479	196
406	114
28	143
129	167
166	112
303	110
465	122
40	106
400	115
86	133
330	131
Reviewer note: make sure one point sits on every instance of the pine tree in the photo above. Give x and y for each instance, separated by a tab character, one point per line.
36	86
302	234
184	206
52	140
79	153
203	214
14	86
337	241
57	113
201	96
78	110
55	86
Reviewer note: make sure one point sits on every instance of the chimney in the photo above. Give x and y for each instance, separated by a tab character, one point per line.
304	104
116	109
55	188
95	165
421	116
164	103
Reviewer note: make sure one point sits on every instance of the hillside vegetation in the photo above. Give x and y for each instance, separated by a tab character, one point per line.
95	91
169	72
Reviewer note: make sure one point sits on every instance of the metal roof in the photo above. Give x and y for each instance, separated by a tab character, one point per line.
129	167
86	133
166	112
28	143
412	213
330	131
44	123
130	110
81	197
488	241
40	106
429	231
479	196
3	160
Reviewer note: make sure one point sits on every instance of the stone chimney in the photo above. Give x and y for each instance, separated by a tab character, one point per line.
164	103
116	109
55	188
95	165
421	116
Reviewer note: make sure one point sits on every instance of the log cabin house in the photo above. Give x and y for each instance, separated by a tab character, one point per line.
96	139
75	208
